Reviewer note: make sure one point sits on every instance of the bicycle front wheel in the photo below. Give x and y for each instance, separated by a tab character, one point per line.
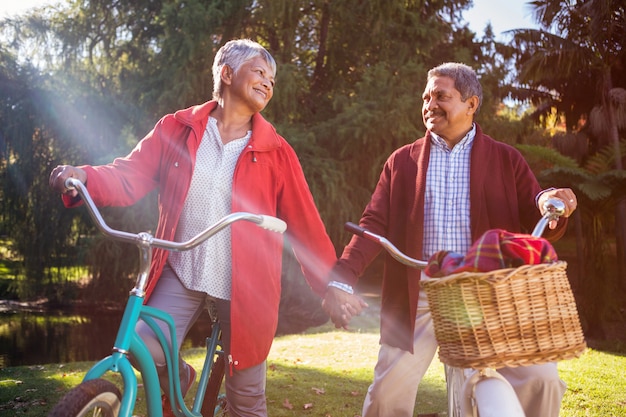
96	397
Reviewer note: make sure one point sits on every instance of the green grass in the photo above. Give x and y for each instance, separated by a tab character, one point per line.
326	372
596	384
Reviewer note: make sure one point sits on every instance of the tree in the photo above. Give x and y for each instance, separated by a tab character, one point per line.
27	209
48	120
572	64
349	82
599	188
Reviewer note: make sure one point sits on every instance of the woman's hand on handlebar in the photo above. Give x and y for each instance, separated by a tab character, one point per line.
61	173
342	306
566	195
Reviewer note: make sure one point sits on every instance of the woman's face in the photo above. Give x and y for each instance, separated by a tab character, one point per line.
253	84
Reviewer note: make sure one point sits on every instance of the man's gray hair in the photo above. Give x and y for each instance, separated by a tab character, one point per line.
465	79
234	54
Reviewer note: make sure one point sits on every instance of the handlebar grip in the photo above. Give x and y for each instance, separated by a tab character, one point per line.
354	228
70	183
273	224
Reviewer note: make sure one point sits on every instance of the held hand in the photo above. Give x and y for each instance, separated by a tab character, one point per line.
566	195
62	173
342	306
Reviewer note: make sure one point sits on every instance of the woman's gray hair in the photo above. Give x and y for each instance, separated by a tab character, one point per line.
234	54
465	79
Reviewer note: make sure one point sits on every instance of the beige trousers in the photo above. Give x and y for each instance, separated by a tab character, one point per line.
397	375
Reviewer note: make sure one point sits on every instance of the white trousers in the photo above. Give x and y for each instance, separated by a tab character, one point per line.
397	375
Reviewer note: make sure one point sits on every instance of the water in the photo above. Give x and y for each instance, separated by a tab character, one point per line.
56	336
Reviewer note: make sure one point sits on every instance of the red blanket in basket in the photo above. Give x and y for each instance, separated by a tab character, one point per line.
495	249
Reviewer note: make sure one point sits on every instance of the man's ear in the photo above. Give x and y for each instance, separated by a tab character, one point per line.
472	105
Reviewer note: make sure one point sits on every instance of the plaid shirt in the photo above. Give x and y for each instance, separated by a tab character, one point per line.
447	197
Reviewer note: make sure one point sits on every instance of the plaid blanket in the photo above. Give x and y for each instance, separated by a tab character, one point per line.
495	249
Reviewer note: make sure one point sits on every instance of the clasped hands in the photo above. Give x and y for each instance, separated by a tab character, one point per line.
341	306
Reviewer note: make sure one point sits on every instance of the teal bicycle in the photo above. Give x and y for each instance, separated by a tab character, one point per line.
95	396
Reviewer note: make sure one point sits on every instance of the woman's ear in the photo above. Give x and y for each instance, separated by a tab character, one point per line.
226	74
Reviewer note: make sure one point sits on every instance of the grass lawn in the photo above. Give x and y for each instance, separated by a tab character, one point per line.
326	372
596	381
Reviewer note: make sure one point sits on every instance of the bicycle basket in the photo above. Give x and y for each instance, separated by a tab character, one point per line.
508	317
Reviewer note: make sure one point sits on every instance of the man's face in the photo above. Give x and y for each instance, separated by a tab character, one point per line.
254	84
443	111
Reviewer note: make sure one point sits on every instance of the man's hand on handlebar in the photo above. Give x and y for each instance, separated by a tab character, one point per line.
566	195
342	306
61	173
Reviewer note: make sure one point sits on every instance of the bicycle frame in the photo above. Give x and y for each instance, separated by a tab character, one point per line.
485	391
128	342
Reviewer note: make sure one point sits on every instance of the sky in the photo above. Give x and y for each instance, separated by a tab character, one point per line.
12	7
503	15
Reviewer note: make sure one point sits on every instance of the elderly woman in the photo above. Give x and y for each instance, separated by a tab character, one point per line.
207	161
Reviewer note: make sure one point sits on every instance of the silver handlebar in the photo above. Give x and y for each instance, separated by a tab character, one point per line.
385	243
145	241
267	222
553	209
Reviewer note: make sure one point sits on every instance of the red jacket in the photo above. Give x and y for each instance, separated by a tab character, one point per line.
268	179
502	196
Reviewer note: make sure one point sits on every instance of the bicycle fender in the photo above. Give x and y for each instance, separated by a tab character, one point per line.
486	393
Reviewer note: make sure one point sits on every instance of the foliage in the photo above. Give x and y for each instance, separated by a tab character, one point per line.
350	75
574	59
541	158
47	123
598	188
82	81
574	66
29	215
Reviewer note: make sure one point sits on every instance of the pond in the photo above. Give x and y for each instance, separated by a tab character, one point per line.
57	336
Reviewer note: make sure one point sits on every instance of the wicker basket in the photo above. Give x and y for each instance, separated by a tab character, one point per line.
509	317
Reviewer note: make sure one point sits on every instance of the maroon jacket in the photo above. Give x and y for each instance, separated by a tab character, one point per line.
502	195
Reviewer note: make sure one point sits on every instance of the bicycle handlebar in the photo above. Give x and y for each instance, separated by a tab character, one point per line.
267	222
393	251
553	209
